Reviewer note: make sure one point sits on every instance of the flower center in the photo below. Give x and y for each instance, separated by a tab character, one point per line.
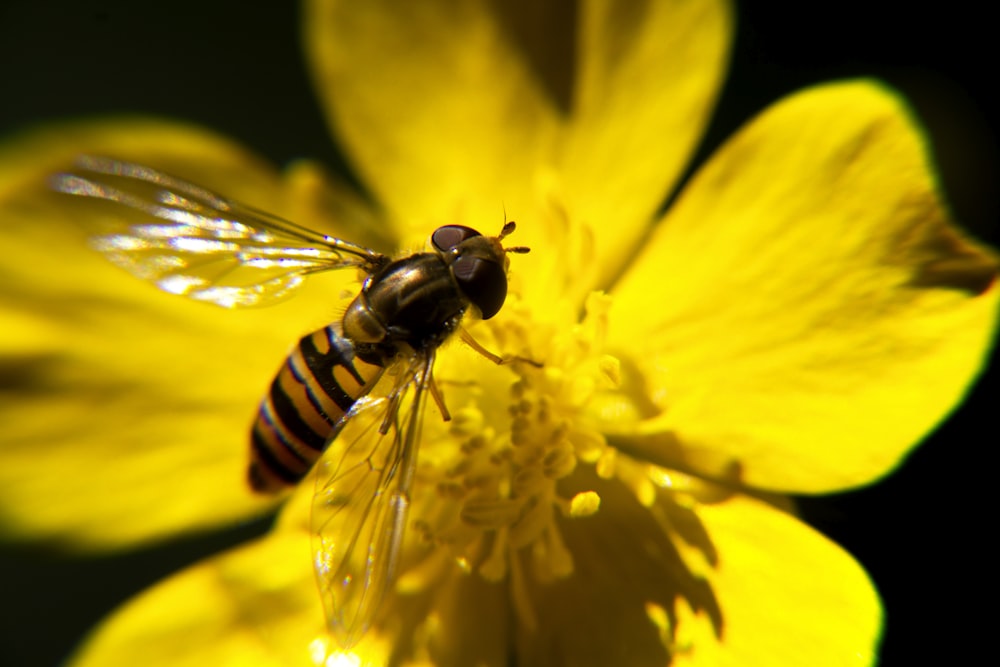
495	489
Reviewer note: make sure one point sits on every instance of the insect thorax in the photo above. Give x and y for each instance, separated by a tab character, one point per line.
413	300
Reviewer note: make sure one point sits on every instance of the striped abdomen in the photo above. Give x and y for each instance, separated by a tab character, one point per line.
318	383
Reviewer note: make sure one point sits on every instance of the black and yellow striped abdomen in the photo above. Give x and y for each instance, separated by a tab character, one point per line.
318	383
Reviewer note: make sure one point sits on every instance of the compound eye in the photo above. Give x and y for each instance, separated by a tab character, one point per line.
446	238
484	283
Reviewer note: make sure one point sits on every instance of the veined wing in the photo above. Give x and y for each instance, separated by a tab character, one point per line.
189	241
362	497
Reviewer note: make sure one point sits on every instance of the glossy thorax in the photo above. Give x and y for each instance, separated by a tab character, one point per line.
419	300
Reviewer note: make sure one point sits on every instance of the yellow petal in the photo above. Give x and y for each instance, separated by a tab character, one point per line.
806	313
259	605
733	582
460	110
250	606
647	78
442	117
461	619
787	595
126	411
624	564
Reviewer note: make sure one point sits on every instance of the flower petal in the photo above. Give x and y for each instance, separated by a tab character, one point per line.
458	109
679	581
807	312
248	606
111	389
647	78
788	595
440	115
624	566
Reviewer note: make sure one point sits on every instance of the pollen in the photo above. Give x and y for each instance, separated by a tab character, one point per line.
502	493
584	504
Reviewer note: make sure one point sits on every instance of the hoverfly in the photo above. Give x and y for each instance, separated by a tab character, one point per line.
352	393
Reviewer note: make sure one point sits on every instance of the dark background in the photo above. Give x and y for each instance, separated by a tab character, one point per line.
922	534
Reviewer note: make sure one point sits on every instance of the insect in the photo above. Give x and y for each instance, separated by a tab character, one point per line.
351	395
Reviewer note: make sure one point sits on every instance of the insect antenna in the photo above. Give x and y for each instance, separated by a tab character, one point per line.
507	230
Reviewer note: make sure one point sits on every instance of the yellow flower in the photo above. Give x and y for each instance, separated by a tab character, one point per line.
795	323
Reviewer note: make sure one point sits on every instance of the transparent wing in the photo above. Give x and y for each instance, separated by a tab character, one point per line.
189	241
362	497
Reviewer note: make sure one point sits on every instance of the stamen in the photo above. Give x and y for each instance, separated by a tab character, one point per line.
584	504
558	559
494	568
495	496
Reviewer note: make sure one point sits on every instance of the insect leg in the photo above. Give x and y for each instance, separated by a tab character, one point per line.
394	397
439	399
495	358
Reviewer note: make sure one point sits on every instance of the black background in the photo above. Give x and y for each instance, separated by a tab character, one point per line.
237	68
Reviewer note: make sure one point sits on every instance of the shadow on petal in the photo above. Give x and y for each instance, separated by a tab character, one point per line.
631	563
